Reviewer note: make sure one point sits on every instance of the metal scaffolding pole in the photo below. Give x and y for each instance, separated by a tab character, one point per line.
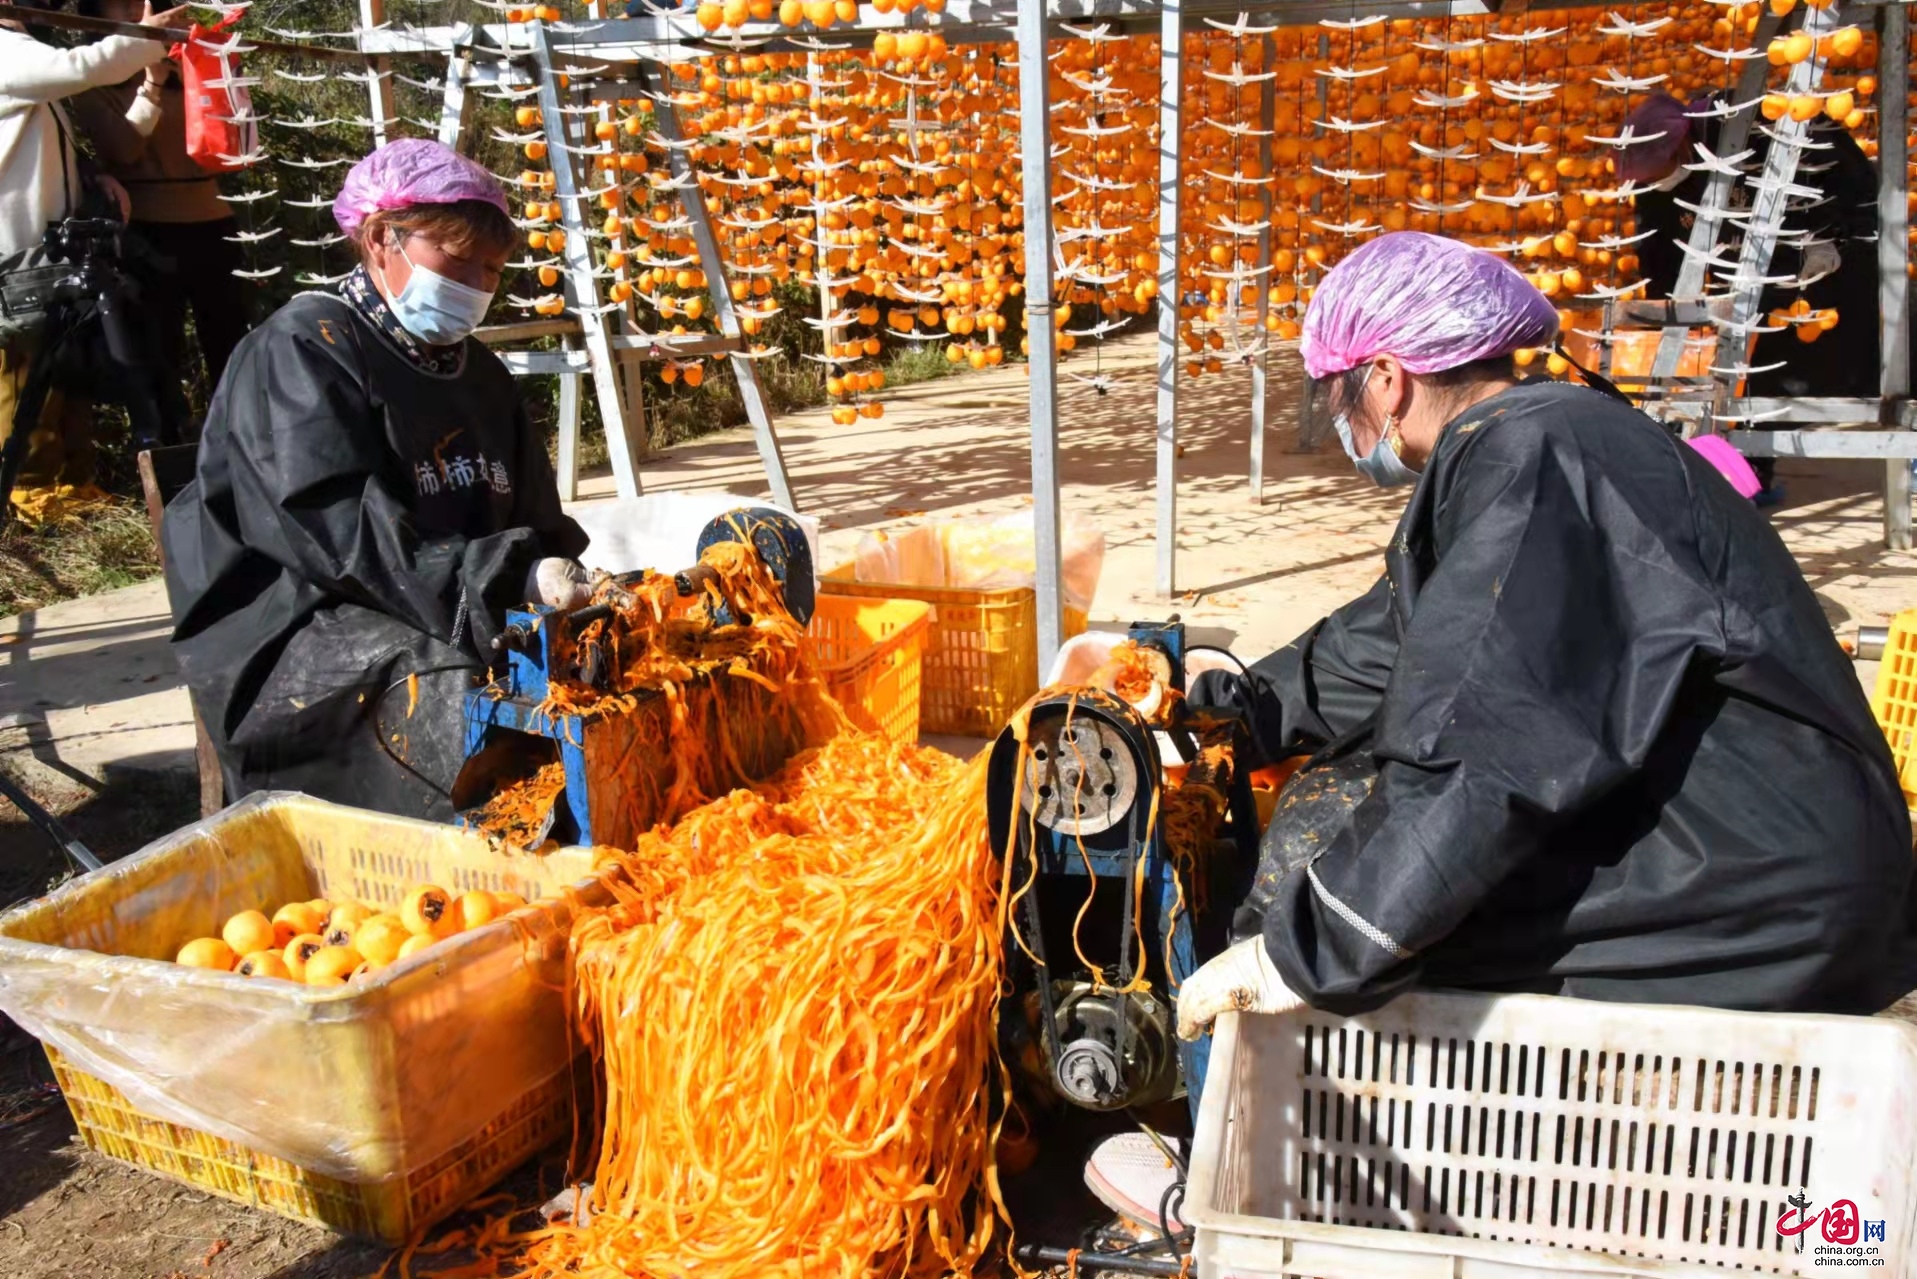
379	77
1035	160
1706	230
1772	202
625	439
705	243
1170	150
1267	111
456	109
1893	255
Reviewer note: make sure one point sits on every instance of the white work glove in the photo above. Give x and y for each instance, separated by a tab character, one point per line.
1243	979
1820	259
561	583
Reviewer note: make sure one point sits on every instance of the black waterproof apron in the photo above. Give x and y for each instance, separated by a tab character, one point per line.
355	520
1594	738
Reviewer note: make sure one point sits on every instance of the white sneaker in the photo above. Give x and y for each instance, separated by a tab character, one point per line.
1130	1175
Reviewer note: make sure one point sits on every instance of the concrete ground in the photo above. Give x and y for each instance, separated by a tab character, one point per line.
89	696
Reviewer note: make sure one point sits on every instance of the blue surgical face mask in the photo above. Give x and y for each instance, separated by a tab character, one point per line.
436	310
1382	466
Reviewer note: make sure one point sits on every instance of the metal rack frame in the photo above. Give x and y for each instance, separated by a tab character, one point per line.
1890	411
676	35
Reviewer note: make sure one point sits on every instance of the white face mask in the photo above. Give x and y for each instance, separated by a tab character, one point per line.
1382	466
434	309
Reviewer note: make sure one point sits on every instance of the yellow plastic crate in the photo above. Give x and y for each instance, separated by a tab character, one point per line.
112	1126
374	1109
1894	699
981	655
871	653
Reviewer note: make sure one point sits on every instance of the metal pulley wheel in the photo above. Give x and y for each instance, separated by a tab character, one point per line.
1112	1050
1080	774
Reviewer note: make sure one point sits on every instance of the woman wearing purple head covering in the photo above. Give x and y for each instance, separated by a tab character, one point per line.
1569	742
370	499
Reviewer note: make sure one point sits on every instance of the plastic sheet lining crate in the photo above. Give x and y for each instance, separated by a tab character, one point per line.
981	655
375	1108
872	654
1447	1135
113	1126
1894	699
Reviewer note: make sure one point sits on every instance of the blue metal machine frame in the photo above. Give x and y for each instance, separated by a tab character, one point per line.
1114	855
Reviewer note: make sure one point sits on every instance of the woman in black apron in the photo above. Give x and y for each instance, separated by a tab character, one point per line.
371	498
1589	735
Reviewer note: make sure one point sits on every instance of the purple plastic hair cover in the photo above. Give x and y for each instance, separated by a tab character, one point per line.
1433	303
408	172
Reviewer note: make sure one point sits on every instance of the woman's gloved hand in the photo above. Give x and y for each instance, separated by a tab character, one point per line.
1242	979
561	583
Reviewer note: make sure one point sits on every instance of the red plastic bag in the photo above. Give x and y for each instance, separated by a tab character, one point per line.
222	133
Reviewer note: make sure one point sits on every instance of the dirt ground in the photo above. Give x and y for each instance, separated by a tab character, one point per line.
1251	575
66	1213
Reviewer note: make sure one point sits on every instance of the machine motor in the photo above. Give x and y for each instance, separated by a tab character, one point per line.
1122	881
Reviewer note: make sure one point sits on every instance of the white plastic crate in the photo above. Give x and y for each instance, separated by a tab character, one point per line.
1473	1137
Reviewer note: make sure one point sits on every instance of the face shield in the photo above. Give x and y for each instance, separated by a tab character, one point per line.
1325	398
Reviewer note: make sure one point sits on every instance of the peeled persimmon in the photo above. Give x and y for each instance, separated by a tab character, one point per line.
248	931
332	965
207	952
264	963
299	951
477	908
378	939
294	918
429	911
348	913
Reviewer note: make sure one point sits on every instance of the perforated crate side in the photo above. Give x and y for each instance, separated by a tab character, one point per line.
389	1211
1894	699
109	1125
981	656
871	654
1672	1134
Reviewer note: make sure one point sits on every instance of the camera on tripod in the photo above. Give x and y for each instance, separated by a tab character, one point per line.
94	247
81	239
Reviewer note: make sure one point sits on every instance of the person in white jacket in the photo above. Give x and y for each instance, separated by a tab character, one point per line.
41	182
